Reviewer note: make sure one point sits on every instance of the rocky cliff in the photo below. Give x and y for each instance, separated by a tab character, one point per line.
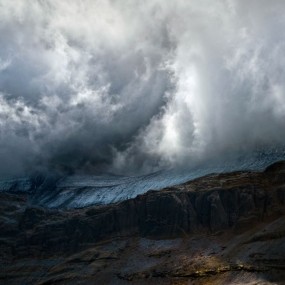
238	217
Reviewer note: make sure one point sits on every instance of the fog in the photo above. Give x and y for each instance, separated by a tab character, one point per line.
135	86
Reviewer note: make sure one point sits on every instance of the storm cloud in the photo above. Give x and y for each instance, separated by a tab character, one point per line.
135	86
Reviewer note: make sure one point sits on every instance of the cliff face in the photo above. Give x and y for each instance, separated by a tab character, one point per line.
209	204
228	204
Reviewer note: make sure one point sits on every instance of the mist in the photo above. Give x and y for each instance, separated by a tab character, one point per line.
137	86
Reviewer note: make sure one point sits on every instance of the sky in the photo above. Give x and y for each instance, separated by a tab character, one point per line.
129	86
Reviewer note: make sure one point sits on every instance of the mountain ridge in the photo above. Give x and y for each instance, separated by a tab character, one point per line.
224	228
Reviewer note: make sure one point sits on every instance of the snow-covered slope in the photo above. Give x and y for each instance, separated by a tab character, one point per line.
76	191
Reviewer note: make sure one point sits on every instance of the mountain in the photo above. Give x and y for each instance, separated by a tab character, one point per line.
226	228
54	190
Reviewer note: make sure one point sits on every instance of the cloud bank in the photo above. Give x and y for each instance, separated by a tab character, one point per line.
135	86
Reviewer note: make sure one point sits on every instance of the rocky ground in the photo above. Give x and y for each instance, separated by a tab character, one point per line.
219	229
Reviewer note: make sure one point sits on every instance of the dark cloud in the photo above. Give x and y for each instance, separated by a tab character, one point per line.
130	86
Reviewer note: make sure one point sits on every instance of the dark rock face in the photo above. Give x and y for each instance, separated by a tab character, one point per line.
202	205
212	204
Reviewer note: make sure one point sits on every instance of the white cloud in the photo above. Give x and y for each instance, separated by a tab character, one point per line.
130	85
